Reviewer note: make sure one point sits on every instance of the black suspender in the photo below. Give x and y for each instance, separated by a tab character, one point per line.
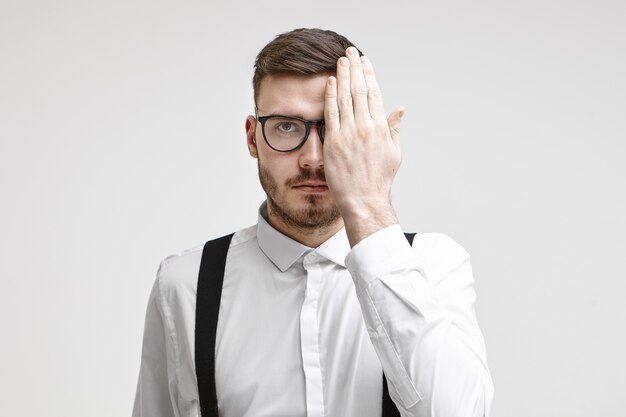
209	294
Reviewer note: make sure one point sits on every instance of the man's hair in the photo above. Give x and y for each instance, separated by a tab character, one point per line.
300	52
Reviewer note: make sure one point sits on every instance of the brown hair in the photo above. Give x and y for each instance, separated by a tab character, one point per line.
301	52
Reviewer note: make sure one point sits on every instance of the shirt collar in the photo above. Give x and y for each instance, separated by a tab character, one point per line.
283	251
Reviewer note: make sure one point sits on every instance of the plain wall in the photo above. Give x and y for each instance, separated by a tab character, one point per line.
122	141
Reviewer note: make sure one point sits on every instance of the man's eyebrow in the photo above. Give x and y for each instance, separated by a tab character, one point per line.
280	113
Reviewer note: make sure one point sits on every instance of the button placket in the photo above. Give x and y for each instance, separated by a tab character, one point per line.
309	338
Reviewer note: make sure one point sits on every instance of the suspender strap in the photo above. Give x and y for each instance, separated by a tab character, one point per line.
410	237
209	294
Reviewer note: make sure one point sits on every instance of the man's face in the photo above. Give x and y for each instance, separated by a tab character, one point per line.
297	195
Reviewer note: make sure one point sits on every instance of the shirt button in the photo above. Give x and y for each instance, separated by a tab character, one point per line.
310	258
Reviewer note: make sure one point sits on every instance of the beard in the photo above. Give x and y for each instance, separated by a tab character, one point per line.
315	215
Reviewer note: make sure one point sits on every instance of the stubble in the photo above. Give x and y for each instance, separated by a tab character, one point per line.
315	215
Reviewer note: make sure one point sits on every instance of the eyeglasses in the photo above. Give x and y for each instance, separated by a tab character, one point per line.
288	133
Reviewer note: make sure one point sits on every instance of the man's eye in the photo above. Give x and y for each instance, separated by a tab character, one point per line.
287	127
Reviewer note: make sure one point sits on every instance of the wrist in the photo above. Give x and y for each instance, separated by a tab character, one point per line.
364	219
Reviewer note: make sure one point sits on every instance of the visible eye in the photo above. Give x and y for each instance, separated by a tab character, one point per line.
287	127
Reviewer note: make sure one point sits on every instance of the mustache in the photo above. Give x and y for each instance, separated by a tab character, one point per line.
317	175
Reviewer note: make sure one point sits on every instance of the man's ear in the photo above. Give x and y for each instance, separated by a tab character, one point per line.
251	136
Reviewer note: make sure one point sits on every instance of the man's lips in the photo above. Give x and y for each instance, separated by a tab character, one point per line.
314	187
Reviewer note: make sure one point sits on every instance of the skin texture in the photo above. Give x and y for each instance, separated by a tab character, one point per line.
351	174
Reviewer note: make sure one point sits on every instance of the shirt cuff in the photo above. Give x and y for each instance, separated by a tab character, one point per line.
378	254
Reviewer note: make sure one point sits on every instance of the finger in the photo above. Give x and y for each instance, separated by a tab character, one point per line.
344	97
374	96
331	111
358	87
394	123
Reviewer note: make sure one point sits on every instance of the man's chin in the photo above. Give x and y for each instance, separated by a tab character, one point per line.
315	200
313	213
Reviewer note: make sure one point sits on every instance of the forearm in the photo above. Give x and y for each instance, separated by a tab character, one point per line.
420	319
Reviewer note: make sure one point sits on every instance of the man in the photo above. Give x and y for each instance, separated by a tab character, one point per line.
325	293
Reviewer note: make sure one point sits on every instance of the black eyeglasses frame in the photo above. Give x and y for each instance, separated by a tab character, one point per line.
307	125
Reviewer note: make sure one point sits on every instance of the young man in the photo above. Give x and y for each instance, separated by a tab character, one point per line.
325	293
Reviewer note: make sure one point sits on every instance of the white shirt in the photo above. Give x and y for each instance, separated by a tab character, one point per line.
303	331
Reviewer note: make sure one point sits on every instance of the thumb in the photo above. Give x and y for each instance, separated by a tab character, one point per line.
394	122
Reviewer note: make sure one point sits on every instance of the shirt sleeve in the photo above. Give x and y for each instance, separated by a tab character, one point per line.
157	383
418	307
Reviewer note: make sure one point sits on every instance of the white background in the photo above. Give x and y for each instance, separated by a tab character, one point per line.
122	141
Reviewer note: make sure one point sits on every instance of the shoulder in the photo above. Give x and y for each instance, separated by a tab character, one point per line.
438	243
179	272
438	254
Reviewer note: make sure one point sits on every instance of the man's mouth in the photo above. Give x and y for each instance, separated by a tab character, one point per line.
312	187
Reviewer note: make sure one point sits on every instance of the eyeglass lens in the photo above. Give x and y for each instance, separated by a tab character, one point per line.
285	133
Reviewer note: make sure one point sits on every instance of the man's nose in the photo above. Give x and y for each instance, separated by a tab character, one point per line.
312	152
